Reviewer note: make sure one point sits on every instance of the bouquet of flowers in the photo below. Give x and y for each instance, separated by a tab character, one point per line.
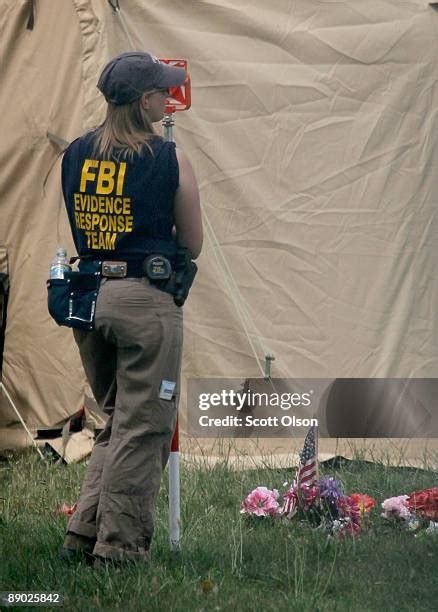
261	502
424	503
321	503
415	511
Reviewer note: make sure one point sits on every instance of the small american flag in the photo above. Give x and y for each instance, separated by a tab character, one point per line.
307	472
308	466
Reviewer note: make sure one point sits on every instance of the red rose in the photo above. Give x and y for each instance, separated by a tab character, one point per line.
424	503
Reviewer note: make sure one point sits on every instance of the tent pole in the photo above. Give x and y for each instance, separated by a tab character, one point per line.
116	10
9	398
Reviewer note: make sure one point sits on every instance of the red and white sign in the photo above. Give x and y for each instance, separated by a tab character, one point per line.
180	97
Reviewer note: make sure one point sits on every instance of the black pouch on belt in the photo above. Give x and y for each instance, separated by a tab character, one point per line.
72	299
185	272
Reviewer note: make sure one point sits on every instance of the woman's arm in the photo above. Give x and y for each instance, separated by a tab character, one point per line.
187	209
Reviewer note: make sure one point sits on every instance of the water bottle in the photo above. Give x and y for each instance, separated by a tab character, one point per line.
60	264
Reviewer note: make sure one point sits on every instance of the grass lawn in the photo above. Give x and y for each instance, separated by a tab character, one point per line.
226	562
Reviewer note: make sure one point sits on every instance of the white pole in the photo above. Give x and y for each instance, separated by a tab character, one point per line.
174	458
174	497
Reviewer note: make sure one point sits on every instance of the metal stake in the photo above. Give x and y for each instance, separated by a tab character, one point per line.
268	359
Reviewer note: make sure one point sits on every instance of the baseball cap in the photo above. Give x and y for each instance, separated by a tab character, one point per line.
128	75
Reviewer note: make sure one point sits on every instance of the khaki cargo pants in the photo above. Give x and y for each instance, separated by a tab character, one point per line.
136	344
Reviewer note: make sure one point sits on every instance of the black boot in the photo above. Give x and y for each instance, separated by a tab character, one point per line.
77	549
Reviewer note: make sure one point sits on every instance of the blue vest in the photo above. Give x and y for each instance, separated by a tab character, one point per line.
120	209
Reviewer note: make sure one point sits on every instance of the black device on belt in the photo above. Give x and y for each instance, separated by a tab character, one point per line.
157	267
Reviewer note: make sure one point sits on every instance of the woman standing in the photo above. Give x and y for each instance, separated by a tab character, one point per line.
130	196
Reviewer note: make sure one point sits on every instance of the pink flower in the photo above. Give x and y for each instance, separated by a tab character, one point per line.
261	502
396	508
307	496
66	509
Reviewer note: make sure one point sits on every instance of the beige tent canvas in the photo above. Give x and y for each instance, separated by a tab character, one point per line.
312	134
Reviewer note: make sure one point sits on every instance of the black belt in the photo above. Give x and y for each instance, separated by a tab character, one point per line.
174	276
134	268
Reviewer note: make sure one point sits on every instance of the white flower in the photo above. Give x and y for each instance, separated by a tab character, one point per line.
432	529
413	524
